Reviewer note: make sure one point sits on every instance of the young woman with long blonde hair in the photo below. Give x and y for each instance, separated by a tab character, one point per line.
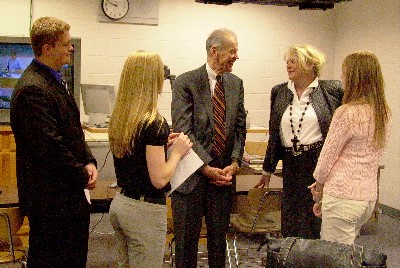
346	187
139	137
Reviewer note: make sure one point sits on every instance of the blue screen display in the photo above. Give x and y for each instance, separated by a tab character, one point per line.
14	59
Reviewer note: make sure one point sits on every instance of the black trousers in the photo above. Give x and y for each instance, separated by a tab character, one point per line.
298	218
214	202
59	241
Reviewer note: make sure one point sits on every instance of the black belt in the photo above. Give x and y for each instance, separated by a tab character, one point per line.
303	148
154	199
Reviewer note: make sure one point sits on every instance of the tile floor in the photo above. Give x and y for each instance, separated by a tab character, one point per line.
102	244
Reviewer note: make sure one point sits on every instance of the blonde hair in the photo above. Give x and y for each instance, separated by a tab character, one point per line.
363	83
308	57
135	108
46	30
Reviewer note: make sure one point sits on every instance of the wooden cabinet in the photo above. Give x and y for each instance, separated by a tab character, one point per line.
8	173
8	186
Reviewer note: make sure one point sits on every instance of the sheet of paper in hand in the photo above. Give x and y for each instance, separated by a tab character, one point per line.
188	164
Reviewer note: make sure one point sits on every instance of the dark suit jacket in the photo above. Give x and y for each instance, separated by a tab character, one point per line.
192	113
325	99
51	149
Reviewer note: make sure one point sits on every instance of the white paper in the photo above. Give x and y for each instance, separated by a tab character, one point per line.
188	164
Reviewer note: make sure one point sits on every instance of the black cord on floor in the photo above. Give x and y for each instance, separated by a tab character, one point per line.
102	216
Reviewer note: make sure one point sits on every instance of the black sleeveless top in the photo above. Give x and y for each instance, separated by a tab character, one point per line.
131	170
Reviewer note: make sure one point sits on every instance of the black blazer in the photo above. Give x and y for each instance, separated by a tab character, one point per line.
325	99
192	113
51	149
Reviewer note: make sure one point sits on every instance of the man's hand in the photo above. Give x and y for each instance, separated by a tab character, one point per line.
92	170
231	169
217	176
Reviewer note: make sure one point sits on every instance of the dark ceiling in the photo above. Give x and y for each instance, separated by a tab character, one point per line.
302	4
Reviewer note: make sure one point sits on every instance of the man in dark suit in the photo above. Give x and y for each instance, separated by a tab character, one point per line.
54	164
209	191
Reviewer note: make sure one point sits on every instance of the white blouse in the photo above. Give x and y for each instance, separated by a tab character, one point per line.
310	131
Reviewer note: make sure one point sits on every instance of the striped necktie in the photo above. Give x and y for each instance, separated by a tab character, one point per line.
218	101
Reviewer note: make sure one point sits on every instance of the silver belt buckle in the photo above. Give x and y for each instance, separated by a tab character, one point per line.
295	152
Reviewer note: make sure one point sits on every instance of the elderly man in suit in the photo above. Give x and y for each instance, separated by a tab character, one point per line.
208	105
54	164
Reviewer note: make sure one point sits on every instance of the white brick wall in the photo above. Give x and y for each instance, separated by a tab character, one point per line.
375	25
263	31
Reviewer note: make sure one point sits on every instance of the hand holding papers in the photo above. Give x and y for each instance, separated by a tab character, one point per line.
188	164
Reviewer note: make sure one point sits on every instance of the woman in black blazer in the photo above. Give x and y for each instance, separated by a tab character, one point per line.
301	111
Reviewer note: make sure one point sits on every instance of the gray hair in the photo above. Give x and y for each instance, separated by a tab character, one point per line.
218	38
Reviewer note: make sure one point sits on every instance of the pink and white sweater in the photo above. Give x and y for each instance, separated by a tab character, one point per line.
348	163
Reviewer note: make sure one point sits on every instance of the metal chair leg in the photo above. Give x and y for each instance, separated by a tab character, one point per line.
235	248
228	252
229	249
171	252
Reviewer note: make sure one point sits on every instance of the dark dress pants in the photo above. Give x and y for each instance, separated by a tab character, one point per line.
187	210
59	241
298	218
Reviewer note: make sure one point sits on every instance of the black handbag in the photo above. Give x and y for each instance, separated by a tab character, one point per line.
294	252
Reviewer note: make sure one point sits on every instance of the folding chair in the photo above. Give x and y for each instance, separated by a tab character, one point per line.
263	216
9	252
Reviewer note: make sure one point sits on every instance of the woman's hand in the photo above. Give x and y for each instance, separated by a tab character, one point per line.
264	181
316	191
171	138
182	144
161	171
317	209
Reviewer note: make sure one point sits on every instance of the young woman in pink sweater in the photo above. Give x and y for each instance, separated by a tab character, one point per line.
346	186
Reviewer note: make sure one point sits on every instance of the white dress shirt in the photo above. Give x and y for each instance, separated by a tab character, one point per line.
212	78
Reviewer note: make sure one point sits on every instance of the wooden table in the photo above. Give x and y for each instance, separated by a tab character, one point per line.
256	129
94	129
246	182
9	196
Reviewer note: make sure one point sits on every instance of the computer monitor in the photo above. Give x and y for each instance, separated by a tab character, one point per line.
21	50
98	103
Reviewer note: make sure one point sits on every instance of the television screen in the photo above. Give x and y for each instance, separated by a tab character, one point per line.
14	58
15	55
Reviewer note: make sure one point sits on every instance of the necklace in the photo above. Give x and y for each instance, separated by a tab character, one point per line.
295	139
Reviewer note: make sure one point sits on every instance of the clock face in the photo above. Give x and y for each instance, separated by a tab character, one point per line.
115	9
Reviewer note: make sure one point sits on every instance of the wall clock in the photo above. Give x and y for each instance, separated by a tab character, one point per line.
115	9
145	12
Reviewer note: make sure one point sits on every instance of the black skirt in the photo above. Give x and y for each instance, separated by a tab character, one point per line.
298	219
